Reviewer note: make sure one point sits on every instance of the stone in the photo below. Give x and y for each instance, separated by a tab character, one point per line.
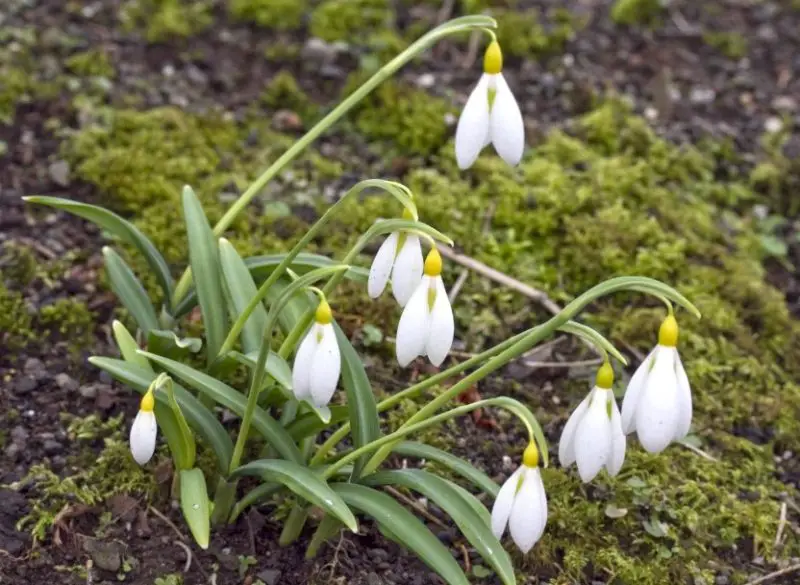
270	576
66	382
59	173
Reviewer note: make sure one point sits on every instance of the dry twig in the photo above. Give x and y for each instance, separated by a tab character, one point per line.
168	522
775	574
416	505
781	525
188	552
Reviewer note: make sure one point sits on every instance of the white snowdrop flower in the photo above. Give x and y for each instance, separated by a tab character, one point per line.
317	363
400	256
521	503
658	401
143	430
426	326
593	436
491	115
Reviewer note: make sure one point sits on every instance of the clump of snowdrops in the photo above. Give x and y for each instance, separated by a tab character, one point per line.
310	393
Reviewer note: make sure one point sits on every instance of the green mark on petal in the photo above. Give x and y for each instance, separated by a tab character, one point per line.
401	239
431	297
492	94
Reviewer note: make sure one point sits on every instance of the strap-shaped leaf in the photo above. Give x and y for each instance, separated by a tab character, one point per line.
195	505
241	288
255	495
303	482
309	424
206	272
456	464
168	344
471	524
198	416
234	401
364	420
121	228
130	291
473	502
277	367
404	527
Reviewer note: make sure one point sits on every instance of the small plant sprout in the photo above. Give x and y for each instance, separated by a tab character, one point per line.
521	503
491	115
426	326
658	402
318	362
593	436
400	256
144	430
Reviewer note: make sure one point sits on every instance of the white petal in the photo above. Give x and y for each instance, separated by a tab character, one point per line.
566	445
442	327
143	436
684	400
382	266
618	441
529	513
504	502
303	362
506	125
412	331
593	436
631	399
473	125
657	413
407	270
325	368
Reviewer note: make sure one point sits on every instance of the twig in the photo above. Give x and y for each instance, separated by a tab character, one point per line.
167	521
700	452
416	505
781	525
462	278
773	575
574	364
445	11
188	552
472	50
467	565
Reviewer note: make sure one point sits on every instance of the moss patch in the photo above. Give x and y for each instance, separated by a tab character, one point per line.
15	320
92	63
68	319
730	44
278	15
163	20
525	34
633	12
350	20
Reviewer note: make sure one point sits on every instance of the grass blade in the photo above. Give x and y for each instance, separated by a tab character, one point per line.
241	288
130	291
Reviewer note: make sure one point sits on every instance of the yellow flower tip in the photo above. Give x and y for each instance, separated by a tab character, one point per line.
433	263
668	332
493	59
530	458
148	402
605	376
323	315
407	214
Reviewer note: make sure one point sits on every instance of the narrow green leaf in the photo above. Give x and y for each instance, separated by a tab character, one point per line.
206	272
255	495
364	420
128	347
309	424
473	502
456	464
199	417
130	291
303	482
195	505
471	524
405	528
276	367
241	289
168	344
234	401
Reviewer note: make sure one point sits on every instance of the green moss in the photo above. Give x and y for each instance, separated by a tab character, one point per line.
634	12
163	20
91	63
278	15
69	319
730	44
19	262
350	20
20	85
282	92
522	34
15	320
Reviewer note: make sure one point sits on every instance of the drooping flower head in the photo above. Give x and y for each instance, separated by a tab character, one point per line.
593	436
317	363
521	503
658	402
491	115
426	326
144	429
400	256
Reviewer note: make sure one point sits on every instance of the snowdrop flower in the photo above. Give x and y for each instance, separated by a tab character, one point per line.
143	430
400	256
426	326
491	114
658	401
593	437
318	362
521	503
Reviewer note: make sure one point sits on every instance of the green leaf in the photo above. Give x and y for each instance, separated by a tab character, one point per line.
258	493
206	272
168	344
303	482
241	289
471	524
456	464
130	291
121	228
234	401
404	527
195	505
364	422
276	367
473	502
199	417
309	424
128	346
